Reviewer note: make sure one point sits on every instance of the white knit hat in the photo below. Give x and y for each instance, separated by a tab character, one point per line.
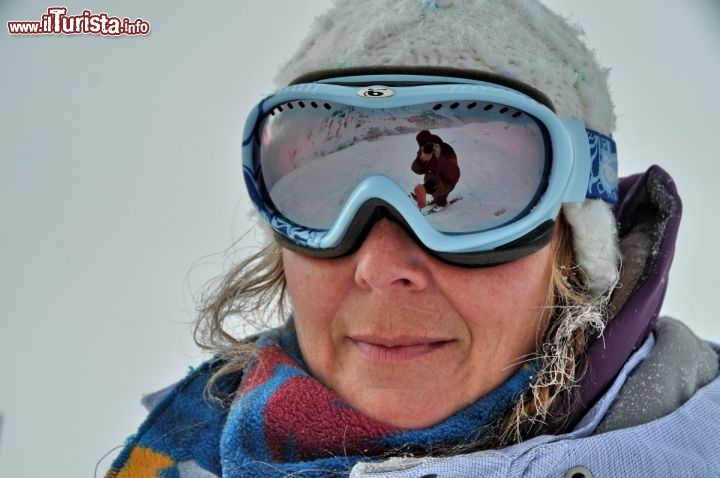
520	39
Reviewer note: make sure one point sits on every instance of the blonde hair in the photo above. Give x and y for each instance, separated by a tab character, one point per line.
574	317
254	292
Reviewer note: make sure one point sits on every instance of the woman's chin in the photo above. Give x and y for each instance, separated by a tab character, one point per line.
407	409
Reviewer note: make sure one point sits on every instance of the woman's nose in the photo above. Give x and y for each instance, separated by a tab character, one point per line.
390	260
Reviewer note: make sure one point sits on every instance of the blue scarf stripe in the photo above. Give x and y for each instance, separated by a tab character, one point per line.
466	425
183	425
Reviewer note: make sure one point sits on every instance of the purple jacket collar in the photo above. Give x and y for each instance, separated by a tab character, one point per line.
649	204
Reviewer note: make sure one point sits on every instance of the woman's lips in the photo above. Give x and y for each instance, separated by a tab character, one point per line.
399	349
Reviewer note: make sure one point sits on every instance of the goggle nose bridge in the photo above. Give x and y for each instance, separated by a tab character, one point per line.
379	190
370	213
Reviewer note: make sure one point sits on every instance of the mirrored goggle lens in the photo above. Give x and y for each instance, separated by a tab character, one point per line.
313	154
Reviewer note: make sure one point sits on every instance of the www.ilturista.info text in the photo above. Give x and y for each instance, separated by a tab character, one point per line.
57	22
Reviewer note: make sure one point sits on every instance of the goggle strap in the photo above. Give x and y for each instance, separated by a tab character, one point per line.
603	182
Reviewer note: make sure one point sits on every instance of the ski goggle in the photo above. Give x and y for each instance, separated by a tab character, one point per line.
324	160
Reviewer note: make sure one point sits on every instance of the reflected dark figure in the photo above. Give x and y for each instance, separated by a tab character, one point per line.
438	162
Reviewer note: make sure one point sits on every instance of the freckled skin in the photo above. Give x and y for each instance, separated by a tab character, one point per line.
480	323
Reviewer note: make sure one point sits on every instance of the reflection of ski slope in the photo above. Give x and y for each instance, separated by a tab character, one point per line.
496	176
296	137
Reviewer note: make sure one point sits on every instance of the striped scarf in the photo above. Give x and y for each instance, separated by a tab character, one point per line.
284	421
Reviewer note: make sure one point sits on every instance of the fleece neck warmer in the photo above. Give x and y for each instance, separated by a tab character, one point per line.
285	422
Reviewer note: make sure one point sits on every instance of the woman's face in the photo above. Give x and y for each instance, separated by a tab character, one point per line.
407	339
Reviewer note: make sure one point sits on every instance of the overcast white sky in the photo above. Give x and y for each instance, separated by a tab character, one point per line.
121	186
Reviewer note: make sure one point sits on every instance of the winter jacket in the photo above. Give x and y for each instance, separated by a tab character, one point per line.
650	398
441	171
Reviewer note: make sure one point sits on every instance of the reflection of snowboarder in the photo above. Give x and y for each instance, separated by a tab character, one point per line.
438	162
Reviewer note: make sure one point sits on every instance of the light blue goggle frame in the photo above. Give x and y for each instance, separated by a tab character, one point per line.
583	163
